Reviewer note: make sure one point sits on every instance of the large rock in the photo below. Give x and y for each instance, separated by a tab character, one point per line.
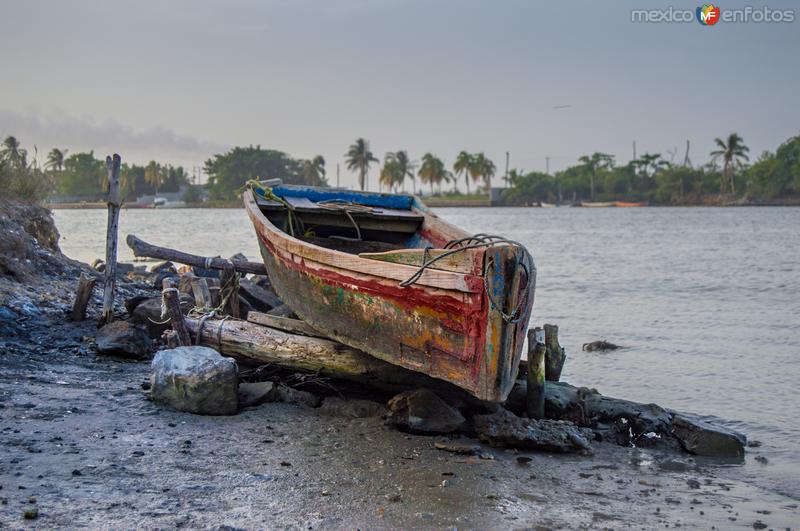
259	298
125	339
148	313
196	380
701	437
504	429
422	411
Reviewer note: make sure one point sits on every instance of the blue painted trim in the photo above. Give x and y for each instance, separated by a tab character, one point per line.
313	193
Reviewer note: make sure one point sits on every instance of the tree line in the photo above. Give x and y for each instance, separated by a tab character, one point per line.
728	174
78	174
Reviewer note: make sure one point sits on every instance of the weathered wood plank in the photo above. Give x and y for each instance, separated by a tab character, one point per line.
112	231
294	326
82	295
171	301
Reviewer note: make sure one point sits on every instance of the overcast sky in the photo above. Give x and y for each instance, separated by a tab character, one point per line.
178	81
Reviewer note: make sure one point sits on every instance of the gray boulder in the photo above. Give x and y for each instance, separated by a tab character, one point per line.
422	411
125	339
196	380
701	437
505	429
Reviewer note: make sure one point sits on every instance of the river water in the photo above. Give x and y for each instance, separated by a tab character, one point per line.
705	300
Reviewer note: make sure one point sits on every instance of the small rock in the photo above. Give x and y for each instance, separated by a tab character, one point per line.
353	408
163	266
256	393
523	460
393	497
599	346
122	338
758	524
31	513
693	483
291	395
457	447
77	472
196	380
701	437
761	459
422	411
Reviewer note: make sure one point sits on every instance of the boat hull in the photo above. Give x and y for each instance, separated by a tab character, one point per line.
456	333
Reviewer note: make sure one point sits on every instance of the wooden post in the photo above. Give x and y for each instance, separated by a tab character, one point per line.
202	296
172	303
229	290
112	165
82	295
534	402
556	355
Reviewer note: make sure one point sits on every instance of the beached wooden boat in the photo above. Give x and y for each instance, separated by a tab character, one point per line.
383	274
627	204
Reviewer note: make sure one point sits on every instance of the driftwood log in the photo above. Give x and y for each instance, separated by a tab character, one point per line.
112	231
141	248
534	400
255	344
82	295
555	356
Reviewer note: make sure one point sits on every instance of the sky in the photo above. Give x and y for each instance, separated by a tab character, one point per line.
179	81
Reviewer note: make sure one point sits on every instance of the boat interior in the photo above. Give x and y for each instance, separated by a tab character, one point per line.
351	222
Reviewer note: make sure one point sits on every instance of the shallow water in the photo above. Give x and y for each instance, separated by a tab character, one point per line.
705	300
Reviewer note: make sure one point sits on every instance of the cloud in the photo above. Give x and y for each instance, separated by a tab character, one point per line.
84	133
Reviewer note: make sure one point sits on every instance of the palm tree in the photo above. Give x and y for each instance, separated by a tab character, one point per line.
391	176
359	157
462	165
593	163
14	153
733	152
313	171
484	169
405	168
153	175
433	171
55	159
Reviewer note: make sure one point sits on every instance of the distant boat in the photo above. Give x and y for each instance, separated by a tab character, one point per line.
542	204
627	204
382	273
588	204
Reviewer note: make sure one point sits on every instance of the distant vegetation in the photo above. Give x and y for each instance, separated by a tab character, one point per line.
729	175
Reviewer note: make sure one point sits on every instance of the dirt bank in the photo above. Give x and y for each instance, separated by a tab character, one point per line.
80	442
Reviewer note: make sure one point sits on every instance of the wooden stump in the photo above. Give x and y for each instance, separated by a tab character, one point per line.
534	403
229	290
556	355
202	296
82	295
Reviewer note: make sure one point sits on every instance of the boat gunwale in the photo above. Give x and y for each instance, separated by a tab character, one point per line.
434	278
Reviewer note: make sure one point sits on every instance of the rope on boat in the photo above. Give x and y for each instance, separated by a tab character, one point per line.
267	193
478	241
349	208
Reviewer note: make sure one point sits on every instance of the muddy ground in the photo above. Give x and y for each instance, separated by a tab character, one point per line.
79	436
82	446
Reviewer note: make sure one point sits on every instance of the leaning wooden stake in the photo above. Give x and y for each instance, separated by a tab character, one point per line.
534	403
202	296
143	249
229	290
112	165
82	295
172	303
556	355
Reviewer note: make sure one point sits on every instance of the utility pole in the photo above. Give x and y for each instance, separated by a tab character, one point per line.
686	161
506	177
547	165
337	175
634	150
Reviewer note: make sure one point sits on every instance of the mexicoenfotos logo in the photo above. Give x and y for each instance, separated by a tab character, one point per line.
707	14
710	14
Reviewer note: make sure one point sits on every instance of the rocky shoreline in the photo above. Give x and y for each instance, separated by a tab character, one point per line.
82	445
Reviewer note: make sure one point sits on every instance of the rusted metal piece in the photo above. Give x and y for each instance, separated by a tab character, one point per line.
449	325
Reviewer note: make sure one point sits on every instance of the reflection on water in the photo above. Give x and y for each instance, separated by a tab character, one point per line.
706	300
